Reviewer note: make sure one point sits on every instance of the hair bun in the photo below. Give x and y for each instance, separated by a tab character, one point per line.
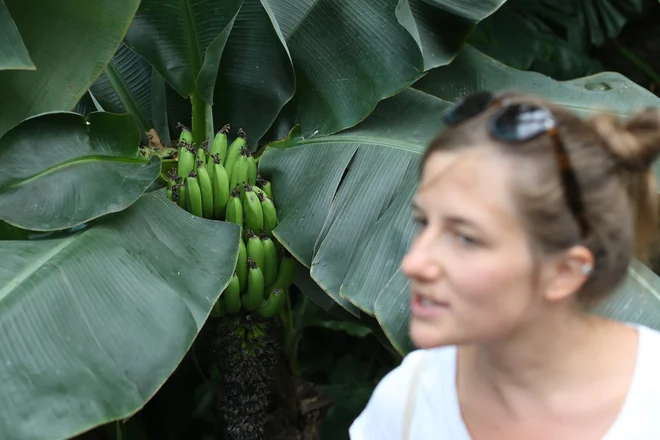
635	143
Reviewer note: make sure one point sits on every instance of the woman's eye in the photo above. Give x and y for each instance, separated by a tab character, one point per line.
465	240
420	222
461	240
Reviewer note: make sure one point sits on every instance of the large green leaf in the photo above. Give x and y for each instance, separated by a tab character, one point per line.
345	200
70	43
350	54
174	36
352	231
472	70
95	322
59	170
13	54
228	53
255	78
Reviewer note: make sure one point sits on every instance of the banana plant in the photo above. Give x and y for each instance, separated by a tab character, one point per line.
104	283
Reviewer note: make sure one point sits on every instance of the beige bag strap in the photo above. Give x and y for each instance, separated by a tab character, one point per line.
412	394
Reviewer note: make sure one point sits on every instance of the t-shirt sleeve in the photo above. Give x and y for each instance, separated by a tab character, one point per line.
382	418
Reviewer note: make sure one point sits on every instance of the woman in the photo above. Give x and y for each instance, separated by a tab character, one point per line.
526	218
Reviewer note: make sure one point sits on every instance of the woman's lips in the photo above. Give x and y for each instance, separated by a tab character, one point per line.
423	307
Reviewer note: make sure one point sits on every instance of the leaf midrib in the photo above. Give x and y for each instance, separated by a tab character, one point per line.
70	162
382	142
32	268
302	19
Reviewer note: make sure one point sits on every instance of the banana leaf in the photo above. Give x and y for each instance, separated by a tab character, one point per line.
350	220
69	42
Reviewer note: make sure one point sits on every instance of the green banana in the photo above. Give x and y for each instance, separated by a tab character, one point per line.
219	308
241	266
270	259
202	152
264	185
220	183
232	295
255	249
286	273
269	213
234	210
251	300
252	210
258	190
252	169
206	188
234	149
186	135
194	195
186	161
219	145
271	307
209	167
182	195
238	172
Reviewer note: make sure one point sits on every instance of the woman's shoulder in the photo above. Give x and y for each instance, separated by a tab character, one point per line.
382	418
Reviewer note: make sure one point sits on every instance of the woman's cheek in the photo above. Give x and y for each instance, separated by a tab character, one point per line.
489	286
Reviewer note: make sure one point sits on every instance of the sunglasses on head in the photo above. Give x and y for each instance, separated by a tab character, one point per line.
518	123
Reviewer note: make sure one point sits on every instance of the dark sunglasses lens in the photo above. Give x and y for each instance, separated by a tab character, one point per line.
521	122
468	107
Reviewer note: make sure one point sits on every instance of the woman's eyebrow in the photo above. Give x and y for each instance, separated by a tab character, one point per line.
416	206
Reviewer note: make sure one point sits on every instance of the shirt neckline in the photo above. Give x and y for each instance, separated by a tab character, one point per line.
455	410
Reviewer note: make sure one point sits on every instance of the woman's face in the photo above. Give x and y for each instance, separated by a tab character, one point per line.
470	264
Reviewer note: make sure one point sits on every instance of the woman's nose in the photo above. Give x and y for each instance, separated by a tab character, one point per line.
420	264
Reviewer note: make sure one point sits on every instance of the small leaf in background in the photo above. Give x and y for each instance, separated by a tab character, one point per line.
13	53
93	323
58	170
69	42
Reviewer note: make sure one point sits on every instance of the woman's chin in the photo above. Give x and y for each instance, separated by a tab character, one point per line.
425	335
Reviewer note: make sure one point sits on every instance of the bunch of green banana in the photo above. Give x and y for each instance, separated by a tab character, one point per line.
220	182
200	183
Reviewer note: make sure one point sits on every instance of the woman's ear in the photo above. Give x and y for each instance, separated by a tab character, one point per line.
569	271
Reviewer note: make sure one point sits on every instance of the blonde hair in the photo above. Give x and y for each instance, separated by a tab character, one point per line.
611	160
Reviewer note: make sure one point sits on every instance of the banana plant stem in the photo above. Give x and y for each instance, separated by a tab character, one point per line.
208	116
198	118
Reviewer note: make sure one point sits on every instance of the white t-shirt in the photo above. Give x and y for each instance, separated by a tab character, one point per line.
437	413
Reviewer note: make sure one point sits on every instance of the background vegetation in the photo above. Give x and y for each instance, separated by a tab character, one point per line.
106	287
